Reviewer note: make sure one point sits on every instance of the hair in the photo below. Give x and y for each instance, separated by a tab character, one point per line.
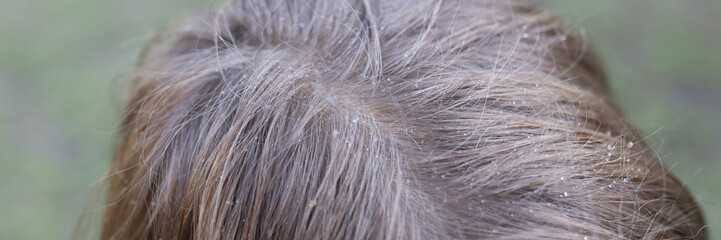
370	119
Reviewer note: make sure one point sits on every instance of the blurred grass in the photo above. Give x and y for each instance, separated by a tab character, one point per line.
60	78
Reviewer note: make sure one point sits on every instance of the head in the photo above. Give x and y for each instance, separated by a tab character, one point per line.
373	119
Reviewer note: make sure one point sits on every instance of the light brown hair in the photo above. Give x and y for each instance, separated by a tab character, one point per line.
369	119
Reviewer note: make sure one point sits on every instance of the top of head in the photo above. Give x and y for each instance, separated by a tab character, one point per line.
382	119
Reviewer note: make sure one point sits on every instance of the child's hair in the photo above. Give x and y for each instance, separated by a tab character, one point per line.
370	119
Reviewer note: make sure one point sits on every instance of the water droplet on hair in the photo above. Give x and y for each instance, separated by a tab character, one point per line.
443	176
524	27
302	25
229	202
525	35
630	145
565	194
563	37
355	119
625	179
563	178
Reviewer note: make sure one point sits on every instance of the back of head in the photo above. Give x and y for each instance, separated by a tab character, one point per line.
296	119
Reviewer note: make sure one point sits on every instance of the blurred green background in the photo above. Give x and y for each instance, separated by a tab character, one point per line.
61	82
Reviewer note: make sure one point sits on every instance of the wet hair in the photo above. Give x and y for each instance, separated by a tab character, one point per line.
369	119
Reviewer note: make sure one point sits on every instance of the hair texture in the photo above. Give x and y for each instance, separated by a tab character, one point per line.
370	119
